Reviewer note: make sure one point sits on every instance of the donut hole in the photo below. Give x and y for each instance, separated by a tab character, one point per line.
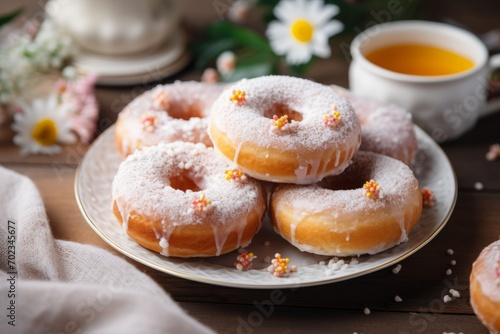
185	182
281	109
333	183
185	111
352	178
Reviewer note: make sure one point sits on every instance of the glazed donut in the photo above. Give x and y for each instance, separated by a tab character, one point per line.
485	287
285	129
339	216
180	199
385	127
166	113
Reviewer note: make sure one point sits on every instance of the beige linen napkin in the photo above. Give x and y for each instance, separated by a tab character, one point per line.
66	287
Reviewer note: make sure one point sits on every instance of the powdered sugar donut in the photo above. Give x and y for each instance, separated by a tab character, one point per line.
285	129
167	113
341	216
385	127
181	199
485	287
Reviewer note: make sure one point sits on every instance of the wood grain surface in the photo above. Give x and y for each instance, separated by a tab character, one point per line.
332	308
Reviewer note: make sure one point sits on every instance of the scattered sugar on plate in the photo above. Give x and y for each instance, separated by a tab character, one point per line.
447	299
448	272
366	311
396	269
478	186
267	243
453	262
336	264
398	299
455	293
450	251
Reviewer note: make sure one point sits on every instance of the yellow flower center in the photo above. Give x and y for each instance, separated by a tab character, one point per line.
45	132
302	31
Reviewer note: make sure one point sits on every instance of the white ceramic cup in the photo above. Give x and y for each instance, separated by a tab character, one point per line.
444	106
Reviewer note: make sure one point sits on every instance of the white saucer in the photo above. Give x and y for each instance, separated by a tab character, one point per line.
142	68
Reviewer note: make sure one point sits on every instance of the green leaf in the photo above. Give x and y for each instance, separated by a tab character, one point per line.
6	18
252	57
299	70
251	71
242	36
211	50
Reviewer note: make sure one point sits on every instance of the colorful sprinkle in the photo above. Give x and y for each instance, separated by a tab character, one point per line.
234	174
149	122
161	100
333	119
201	204
372	189
279	266
244	261
279	122
493	153
428	199
239	96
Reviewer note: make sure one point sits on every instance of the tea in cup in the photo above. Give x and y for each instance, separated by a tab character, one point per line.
436	71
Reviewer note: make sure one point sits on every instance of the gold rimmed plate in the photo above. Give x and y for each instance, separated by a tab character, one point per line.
93	194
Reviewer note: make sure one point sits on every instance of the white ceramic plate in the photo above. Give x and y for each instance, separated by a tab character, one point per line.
93	194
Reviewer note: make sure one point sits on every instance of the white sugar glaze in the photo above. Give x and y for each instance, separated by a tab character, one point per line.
313	142
486	271
385	127
184	117
485	287
327	198
143	185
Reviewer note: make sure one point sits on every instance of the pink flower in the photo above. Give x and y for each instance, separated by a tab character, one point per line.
210	75
226	62
238	12
78	100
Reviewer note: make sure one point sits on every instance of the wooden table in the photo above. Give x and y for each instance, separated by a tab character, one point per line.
337	308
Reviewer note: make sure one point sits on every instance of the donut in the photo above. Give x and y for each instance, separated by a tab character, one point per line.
285	129
369	208
180	199
385	127
485	287
166	113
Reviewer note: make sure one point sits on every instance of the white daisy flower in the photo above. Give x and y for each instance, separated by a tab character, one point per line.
303	29
40	128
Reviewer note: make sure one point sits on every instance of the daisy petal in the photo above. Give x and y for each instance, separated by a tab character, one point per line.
281	47
276	30
299	55
314	7
286	11
321	50
333	27
326	13
67	137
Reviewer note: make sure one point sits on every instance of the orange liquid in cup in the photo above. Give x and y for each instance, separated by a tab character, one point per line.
416	59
